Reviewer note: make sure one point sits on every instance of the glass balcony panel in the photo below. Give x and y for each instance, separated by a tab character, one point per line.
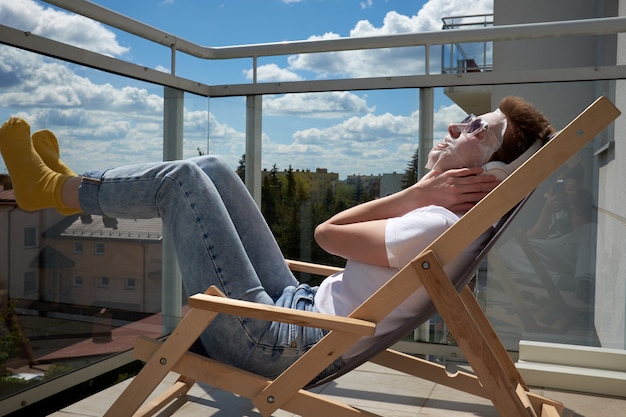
77	289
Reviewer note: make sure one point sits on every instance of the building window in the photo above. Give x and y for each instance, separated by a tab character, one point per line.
99	248
130	283
30	237
78	247
103	282
78	281
30	282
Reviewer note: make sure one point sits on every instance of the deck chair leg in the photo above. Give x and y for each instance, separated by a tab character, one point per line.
176	391
153	372
247	384
540	404
491	338
508	396
549	411
162	362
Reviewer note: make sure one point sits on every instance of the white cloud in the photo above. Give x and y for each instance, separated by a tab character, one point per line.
73	29
367	4
369	144
31	80
162	69
272	72
316	105
120	125
99	125
381	62
357	131
88	117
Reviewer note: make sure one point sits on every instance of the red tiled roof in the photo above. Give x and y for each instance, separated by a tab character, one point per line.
122	339
7	196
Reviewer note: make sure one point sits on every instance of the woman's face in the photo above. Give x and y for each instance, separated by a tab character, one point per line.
470	143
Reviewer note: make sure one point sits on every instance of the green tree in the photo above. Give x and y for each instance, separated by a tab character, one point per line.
358	190
241	169
289	230
320	212
12	340
283	204
291	184
410	173
270	197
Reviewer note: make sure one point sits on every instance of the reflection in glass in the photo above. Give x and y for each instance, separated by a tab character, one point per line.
541	275
74	290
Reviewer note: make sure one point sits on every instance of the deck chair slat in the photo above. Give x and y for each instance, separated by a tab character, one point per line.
430	371
282	314
311	268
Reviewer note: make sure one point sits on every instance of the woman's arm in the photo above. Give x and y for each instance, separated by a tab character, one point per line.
358	233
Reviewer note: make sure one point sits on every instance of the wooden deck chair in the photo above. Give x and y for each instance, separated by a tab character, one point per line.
495	376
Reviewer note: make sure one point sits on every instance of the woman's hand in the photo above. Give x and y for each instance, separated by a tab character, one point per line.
458	190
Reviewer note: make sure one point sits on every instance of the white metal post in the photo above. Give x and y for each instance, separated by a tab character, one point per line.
254	105
426	126
171	279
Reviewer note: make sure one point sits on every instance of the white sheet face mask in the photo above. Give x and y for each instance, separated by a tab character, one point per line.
469	143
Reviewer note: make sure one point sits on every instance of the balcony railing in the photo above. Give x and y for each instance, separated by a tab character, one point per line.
459	58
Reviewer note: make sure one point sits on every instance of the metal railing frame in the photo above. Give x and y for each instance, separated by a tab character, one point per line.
457	22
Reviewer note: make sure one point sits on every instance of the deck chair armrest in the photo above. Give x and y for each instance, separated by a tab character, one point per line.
281	314
311	268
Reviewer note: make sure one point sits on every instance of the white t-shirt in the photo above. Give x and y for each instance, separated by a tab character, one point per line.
405	238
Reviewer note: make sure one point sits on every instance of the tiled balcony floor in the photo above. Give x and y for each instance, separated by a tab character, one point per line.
370	387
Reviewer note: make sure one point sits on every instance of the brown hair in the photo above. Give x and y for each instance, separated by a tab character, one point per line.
525	124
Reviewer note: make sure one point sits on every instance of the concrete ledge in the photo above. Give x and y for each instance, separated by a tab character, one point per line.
573	368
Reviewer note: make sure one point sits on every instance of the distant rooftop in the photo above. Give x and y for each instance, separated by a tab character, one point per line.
103	227
6	195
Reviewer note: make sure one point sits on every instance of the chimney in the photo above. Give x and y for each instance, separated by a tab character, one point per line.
5	180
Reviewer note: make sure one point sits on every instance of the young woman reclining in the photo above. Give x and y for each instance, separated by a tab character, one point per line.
222	239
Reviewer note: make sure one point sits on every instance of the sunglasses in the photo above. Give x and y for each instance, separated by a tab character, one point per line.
470	126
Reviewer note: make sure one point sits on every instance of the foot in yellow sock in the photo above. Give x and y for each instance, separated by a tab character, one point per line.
36	186
47	146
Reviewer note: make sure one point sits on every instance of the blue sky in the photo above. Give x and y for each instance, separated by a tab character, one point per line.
103	120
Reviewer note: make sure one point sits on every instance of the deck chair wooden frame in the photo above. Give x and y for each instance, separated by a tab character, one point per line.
495	376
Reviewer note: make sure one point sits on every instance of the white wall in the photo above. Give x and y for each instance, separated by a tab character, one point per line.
611	266
560	102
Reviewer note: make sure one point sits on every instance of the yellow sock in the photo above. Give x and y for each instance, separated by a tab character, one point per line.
35	185
47	146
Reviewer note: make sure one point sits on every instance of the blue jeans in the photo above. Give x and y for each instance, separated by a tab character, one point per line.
221	239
